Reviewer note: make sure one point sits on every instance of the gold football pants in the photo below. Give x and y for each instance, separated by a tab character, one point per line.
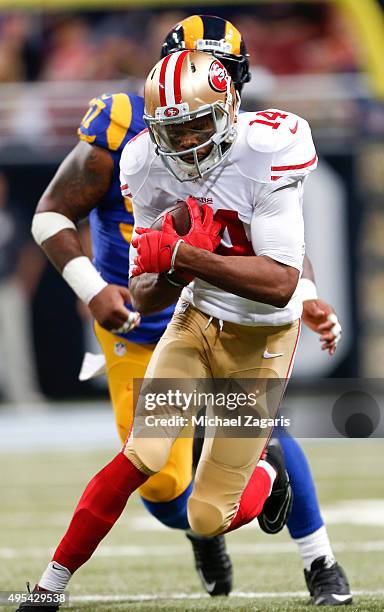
125	362
195	346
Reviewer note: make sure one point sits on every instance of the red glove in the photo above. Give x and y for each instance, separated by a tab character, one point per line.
203	234
155	249
197	224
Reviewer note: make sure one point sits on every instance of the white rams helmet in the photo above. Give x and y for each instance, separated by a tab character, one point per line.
191	111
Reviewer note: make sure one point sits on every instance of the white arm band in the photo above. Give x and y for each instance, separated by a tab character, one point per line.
47	224
307	289
82	276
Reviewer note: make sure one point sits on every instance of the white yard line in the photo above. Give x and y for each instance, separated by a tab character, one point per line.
171	551
191	596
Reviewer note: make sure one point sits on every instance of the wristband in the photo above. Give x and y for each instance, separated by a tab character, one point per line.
175	249
82	276
47	224
307	289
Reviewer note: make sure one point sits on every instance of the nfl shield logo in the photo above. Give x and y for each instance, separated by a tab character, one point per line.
120	349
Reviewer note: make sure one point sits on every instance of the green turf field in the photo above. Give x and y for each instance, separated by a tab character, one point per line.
142	567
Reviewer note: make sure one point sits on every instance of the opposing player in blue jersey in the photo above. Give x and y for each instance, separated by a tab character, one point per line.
87	184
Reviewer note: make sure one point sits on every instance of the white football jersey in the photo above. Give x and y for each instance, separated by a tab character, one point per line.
273	149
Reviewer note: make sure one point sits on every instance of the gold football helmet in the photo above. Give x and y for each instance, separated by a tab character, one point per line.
191	111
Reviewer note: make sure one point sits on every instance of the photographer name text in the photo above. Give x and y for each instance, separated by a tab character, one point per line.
215	421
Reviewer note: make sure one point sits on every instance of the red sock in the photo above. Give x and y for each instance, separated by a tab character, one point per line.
99	507
252	499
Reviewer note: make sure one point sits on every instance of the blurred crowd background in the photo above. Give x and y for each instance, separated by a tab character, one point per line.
283	39
314	58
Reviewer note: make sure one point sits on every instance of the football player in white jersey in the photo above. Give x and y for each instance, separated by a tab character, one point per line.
251	170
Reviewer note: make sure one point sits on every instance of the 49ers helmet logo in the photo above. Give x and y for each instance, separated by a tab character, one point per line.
218	76
171	111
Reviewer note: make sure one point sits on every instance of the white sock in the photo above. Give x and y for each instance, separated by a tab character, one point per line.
315	545
55	577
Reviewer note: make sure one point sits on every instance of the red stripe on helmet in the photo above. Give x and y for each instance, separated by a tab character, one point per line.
163	101
177	75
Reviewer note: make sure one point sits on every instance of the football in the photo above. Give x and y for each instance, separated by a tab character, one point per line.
180	217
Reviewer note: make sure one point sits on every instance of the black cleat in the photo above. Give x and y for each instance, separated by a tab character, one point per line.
278	505
37	603
327	583
212	563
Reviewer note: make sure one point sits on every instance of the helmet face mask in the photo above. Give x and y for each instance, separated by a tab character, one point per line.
213	35
191	111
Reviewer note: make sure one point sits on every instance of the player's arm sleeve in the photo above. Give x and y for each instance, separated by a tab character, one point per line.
277	227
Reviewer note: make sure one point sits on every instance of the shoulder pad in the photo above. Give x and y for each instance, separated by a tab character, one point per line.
112	120
285	142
